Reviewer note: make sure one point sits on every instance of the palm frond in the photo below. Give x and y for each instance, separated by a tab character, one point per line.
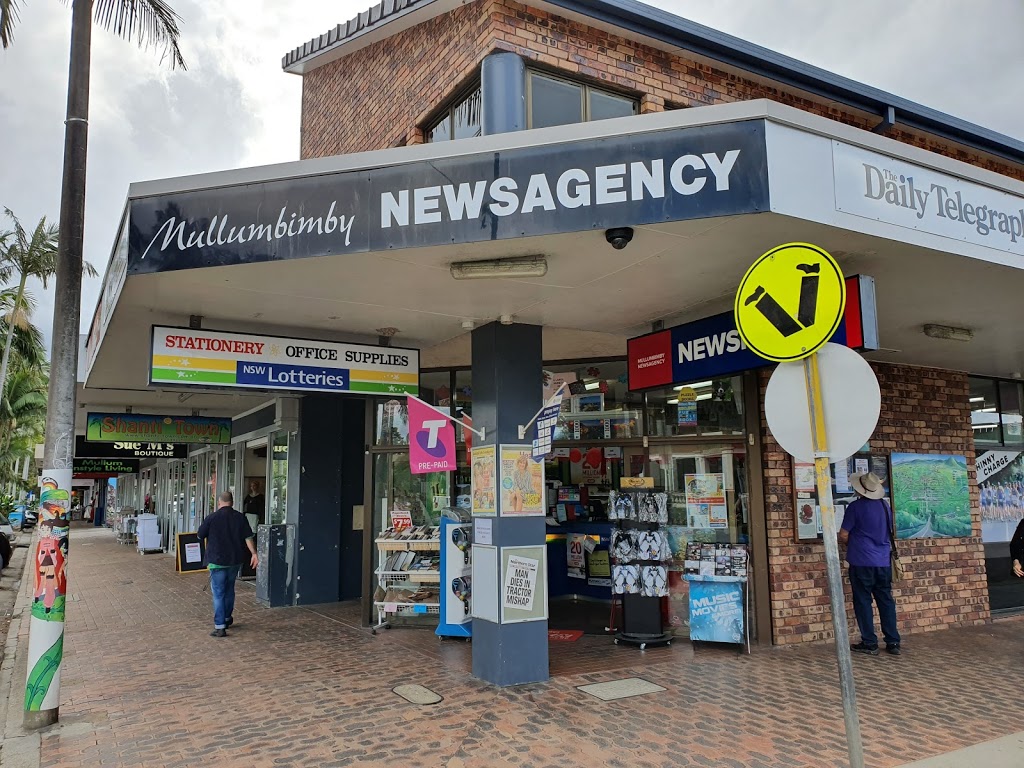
148	22
8	18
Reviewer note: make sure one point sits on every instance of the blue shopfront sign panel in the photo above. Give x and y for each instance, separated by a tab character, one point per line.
716	611
628	180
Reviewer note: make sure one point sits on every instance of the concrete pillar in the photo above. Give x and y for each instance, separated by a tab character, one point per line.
507	391
503	94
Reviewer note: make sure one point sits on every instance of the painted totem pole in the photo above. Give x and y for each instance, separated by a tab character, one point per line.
46	640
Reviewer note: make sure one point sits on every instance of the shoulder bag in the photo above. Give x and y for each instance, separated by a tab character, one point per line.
898	572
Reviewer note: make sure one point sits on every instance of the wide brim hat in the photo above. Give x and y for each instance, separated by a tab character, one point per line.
867	485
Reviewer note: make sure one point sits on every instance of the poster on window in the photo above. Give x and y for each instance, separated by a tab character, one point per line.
705	501
1001	483
576	555
522	482
482	481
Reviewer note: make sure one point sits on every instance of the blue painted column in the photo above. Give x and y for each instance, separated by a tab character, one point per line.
507	391
502	94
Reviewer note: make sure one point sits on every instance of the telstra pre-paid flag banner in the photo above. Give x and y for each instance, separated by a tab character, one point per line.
221	359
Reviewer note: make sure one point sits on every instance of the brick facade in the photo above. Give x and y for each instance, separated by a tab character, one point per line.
380	96
923	411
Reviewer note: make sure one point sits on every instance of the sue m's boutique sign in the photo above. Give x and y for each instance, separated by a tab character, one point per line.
182	356
644	178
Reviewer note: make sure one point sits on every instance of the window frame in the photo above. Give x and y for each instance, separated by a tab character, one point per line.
585	90
447	112
997	388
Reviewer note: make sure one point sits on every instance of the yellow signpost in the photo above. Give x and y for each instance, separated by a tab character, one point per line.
789	304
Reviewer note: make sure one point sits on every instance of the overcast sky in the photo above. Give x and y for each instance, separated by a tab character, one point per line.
235	107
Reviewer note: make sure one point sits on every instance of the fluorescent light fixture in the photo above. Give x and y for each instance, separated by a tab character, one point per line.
698	385
948	332
984	426
521	266
988	410
592	385
979	399
705	396
673	402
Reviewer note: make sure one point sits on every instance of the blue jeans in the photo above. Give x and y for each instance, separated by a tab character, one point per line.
222	586
868	583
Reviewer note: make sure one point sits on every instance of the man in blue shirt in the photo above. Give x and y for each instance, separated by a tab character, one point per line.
866	532
228	535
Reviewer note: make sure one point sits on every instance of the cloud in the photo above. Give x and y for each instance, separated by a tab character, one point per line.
235	107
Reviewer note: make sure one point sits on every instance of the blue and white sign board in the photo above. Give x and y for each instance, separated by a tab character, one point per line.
544	428
716	609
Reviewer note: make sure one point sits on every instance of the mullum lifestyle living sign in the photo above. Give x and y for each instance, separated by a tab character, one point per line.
645	178
222	359
119	427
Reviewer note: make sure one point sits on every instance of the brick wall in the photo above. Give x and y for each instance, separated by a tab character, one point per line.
373	98
923	411
379	96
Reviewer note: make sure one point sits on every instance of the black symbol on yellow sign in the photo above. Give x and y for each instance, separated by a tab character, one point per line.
790	302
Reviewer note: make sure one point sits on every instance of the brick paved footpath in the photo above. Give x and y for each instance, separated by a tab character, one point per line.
145	685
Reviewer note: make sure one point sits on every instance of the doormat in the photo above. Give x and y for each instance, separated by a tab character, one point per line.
564	635
621	689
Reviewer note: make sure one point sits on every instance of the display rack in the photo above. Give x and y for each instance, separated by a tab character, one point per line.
456	578
640	552
405	588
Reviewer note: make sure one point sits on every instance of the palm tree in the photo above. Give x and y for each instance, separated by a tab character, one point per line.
27	255
149	22
27	350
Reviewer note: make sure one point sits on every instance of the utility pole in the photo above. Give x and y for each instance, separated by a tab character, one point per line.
46	637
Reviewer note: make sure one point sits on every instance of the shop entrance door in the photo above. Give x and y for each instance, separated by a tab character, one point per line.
253	503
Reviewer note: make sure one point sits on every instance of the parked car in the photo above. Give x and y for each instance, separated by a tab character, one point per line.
7	529
30	519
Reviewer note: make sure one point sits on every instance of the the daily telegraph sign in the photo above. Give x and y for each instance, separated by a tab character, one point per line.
182	356
671	175
880	187
712	347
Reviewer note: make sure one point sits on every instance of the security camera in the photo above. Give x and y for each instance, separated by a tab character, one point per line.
619	237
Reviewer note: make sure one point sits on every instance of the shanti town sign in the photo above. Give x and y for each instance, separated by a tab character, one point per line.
671	175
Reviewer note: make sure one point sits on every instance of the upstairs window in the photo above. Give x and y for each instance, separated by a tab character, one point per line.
554	101
460	121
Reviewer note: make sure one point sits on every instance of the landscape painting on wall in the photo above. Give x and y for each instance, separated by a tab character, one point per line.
930	495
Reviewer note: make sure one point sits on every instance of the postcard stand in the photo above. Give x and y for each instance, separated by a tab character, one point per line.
639	575
719	602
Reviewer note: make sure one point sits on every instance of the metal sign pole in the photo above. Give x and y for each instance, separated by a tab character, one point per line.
854	744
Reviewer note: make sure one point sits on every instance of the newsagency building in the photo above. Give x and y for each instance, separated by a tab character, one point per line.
498	203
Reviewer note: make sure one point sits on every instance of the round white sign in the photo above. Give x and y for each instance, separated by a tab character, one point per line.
851	399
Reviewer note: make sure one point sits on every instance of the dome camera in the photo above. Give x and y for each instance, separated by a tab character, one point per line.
619	237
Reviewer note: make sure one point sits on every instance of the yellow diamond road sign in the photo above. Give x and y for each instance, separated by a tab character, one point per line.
790	302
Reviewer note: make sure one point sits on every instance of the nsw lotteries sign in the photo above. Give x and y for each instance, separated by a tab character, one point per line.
220	359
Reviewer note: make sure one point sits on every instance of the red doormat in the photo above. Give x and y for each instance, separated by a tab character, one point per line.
564	635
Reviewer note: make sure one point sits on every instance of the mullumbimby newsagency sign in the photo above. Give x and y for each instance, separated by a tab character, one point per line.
670	175
203	358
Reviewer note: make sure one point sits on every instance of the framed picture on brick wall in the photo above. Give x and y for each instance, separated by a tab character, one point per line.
806	505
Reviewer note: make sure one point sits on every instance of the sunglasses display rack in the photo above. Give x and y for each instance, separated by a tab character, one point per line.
456	579
408	574
640	554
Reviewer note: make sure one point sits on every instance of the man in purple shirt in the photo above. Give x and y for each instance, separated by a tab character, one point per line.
866	532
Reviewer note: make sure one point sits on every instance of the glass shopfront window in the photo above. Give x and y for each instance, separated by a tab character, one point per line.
702	408
985	421
596	402
279	479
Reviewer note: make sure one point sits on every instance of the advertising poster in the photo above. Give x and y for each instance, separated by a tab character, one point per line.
193	553
1001	482
575	555
716	612
522	482
599	569
686	408
482	481
524	588
803	476
431	439
930	495
705	501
